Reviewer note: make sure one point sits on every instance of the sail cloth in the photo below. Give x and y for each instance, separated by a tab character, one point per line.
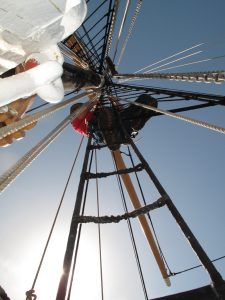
27	28
31	26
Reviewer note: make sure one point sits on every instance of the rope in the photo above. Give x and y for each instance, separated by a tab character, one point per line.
175	54
131	231
121	27
173	61
195	267
112	27
138	7
22	163
206	43
194	62
46	103
30	295
148	214
54	222
180	117
7	130
137	168
116	219
72	56
208	76
99	229
177	66
72	237
37	107
79	233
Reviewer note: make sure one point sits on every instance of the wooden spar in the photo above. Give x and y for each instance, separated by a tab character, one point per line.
143	221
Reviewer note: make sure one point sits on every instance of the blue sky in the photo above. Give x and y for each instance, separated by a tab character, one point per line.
188	160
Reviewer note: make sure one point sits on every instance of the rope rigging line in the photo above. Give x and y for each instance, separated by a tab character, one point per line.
196	247
92	52
170	62
122	195
79	233
159	68
156	68
121	28
207	76
74	226
112	27
7	177
46	103
99	228
116	219
195	267
180	117
137	10
7	130
37	107
54	221
173	61
148	214
194	62
72	56
171	56
142	219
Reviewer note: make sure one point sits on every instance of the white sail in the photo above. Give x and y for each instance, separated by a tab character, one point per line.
30	28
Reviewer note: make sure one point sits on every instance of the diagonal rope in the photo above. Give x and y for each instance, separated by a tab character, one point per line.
99	228
55	219
180	117
213	44
22	163
79	233
170	62
133	21
173	61
130	231
112	27
194	62
159	68
171	56
7	130
148	214
37	107
7	177
195	267
121	28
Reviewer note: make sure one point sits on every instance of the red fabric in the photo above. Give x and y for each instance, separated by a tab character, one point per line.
81	125
31	63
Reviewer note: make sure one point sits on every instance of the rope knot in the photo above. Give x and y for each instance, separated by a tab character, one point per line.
30	295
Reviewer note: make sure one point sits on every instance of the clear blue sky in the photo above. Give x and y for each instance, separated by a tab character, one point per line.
188	160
